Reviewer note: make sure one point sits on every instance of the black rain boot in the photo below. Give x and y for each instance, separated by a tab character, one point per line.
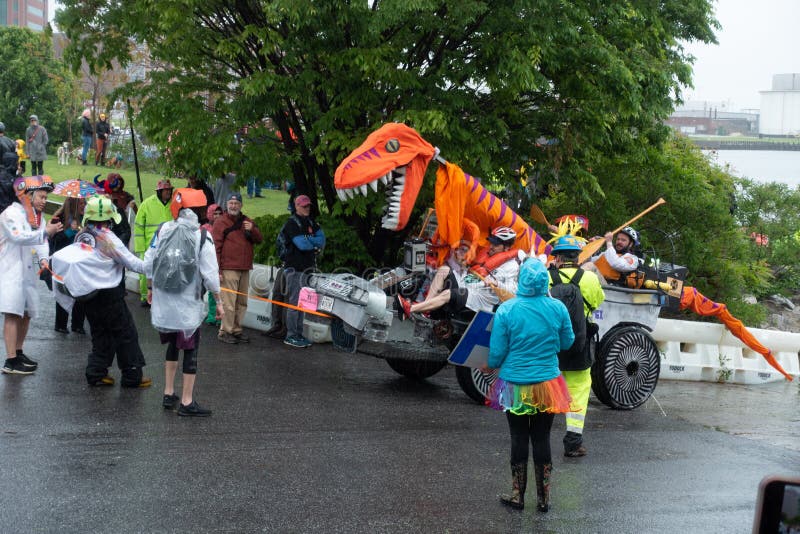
542	473
519	481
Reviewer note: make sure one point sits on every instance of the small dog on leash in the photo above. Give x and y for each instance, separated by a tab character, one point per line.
63	154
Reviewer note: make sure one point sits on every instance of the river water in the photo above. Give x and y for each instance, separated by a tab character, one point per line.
761	165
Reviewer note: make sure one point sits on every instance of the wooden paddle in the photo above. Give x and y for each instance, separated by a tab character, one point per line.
538	216
593	246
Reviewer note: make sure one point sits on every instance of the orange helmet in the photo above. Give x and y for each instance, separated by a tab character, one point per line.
186	197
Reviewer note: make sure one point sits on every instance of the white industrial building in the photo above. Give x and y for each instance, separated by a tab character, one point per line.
780	107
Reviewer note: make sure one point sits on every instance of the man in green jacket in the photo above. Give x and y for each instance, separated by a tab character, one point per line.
154	211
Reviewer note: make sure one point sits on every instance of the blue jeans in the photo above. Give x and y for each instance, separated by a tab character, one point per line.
87	143
253	187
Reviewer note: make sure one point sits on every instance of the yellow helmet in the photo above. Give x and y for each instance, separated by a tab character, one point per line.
99	208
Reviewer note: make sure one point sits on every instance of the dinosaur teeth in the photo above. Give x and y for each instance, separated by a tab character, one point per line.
374	185
342	195
385	179
390	223
363	189
350	194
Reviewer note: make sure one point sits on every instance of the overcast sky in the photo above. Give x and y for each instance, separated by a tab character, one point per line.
757	39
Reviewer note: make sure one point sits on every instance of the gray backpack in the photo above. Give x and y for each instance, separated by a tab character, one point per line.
175	264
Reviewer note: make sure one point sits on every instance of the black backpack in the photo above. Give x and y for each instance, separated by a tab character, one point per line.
576	357
283	244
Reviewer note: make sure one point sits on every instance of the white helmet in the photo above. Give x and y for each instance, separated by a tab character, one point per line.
503	235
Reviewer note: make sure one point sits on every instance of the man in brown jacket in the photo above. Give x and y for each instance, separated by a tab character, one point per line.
234	237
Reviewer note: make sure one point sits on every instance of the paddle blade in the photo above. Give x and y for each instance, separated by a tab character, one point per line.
590	249
538	216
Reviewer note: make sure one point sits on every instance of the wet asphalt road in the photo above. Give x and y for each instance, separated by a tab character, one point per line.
320	441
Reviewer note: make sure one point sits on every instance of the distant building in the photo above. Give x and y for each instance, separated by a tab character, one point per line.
780	107
712	118
31	14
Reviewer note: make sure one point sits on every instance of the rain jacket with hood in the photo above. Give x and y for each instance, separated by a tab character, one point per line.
21	249
529	330
152	214
184	311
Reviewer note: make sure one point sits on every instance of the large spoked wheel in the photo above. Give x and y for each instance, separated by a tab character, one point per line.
415	369
475	383
625	373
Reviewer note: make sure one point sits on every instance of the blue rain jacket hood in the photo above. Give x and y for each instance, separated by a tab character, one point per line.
533	279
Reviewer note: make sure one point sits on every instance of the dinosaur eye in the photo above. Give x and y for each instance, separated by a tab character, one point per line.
392	145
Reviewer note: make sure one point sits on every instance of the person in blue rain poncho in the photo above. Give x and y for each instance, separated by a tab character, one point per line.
527	334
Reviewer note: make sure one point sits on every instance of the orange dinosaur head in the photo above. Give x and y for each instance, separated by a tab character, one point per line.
394	155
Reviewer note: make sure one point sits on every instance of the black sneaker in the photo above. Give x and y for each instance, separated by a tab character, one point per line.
170	401
27	362
193	410
14	366
241	337
79	330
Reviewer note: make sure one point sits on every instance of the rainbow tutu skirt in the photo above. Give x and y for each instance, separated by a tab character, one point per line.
551	396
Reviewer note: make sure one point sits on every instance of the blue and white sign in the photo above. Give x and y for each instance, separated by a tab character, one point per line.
473	349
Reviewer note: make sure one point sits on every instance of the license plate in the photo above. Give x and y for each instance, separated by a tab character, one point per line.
325	303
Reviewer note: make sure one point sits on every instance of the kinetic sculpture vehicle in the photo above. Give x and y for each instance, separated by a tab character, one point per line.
395	158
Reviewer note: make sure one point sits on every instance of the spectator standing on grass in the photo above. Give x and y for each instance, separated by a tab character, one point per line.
36	145
103	130
87	134
305	240
235	236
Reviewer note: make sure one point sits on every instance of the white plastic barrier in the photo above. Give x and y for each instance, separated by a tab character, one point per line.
709	352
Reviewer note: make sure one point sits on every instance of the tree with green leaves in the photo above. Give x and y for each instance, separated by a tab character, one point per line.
562	84
29	82
769	210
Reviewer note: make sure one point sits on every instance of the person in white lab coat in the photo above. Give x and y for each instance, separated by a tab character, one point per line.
23	253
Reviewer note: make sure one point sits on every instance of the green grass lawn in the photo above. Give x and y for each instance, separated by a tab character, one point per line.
273	203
